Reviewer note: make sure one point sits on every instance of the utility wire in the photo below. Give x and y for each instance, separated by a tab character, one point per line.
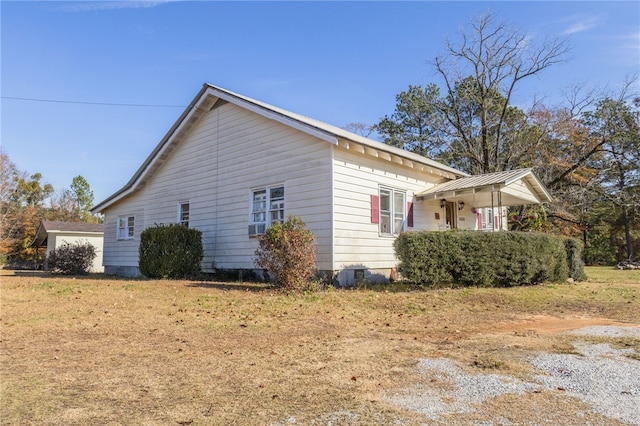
90	103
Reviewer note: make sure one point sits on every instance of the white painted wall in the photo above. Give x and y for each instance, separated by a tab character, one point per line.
358	243
229	152
57	239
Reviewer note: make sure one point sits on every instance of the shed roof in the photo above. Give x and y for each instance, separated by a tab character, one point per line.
47	226
54	225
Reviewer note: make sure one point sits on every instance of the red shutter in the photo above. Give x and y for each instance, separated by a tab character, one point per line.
375	209
410	214
479	221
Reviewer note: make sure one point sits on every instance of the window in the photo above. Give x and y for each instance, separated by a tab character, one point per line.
392	211
125	227
487	218
183	214
276	204
267	208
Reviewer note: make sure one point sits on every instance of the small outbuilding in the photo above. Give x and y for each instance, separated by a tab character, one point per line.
53	234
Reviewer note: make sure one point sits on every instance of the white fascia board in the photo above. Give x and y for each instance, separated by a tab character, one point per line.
75	232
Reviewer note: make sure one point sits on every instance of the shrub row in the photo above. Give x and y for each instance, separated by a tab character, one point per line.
170	251
500	259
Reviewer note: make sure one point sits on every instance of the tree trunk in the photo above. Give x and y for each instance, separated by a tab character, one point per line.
627	232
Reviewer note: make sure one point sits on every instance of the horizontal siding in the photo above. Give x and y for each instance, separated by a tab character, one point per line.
357	177
56	240
122	252
519	189
226	154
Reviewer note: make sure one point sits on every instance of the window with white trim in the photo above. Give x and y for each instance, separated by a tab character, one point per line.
392	211
183	214
126	227
267	208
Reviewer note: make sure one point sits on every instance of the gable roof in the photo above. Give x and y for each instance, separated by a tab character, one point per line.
487	183
47	226
211	95
54	225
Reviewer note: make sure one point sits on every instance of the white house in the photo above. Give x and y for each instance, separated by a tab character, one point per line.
231	166
53	234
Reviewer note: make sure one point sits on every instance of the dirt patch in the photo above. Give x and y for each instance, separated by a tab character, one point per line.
551	324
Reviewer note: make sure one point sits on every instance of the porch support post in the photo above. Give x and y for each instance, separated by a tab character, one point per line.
493	215
500	210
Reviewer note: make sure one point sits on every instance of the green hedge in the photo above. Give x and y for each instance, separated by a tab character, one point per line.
488	259
170	251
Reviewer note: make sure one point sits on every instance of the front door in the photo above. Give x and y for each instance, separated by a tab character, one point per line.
450	215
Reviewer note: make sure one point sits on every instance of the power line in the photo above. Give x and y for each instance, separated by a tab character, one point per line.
59	101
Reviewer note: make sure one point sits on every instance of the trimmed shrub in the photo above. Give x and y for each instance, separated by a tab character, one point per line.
71	259
485	259
287	252
170	251
575	262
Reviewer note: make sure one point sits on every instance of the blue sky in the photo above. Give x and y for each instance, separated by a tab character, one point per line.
340	62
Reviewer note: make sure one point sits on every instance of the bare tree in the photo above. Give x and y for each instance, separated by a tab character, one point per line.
481	76
360	129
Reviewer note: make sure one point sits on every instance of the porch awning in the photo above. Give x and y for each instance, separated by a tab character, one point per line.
516	187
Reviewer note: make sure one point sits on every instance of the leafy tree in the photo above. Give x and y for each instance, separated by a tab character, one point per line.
617	127
416	125
21	208
9	211
558	158
30	191
63	207
587	156
82	195
73	204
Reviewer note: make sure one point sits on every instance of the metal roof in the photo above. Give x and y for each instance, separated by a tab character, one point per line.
488	182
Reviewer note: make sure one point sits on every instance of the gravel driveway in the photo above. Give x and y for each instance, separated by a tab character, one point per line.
605	378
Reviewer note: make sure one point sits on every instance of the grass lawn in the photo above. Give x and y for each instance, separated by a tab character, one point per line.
99	350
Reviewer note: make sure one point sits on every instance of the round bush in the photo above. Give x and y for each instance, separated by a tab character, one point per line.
71	259
170	251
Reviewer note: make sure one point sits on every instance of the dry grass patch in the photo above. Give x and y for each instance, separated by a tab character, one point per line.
114	351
